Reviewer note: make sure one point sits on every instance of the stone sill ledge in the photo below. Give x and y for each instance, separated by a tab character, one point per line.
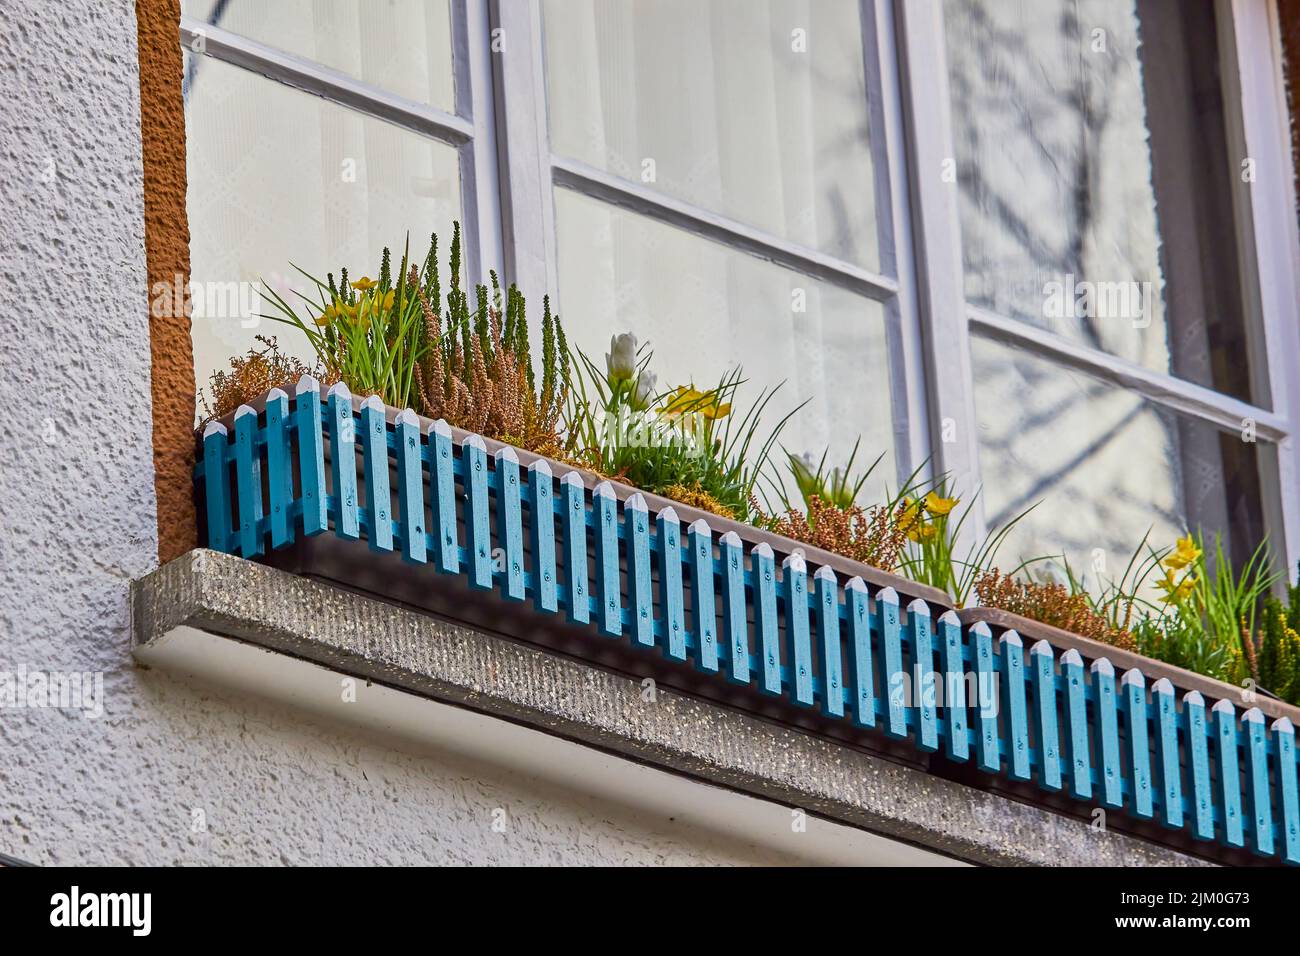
366	638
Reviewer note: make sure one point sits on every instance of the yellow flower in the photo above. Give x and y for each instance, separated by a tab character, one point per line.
389	298
1185	553
686	400
911	513
939	506
327	316
365	283
1175	592
922	532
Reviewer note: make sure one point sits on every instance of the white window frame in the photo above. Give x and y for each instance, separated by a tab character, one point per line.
471	129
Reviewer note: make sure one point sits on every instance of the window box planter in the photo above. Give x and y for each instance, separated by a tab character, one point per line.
543	553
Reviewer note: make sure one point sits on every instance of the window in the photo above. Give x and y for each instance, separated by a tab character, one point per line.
318	133
1047	247
723	191
1104	188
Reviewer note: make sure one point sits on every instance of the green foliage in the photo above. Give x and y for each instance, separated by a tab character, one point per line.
368	333
837	487
1279	645
399	338
1115	600
680	440
1181	640
1205	618
1227	599
932	554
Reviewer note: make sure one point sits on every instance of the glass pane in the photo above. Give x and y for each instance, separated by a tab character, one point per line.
1096	181
403	46
1105	464
706	308
277	176
755	109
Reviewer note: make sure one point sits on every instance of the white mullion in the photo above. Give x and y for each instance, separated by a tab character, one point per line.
1272	234
937	242
332	85
1158	387
912	439
702	222
523	145
480	196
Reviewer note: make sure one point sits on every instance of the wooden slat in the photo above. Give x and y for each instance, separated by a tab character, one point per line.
279	468
1198	765
987	757
216	487
957	739
248	482
891	652
798	640
923	691
1042	671
1012	652
640	596
1077	756
1288	800
604	518
766	625
731	554
858	600
343	463
672	600
541	536
574	522
1167	756
311	456
374	449
1134	693
704	614
442	497
1258	802
828	641
510	522
410	486
1111	770
478	512
1228	773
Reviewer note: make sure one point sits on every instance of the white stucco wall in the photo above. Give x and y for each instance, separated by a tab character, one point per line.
277	783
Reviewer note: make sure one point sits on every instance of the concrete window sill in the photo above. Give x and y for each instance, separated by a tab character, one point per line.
208	593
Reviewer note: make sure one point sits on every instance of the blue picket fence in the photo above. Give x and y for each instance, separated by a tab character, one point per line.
849	648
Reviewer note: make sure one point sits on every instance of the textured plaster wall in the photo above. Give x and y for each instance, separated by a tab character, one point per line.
78	520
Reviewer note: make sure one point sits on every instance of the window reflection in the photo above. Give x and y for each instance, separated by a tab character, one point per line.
1096	182
755	109
706	308
277	176
403	46
1106	465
